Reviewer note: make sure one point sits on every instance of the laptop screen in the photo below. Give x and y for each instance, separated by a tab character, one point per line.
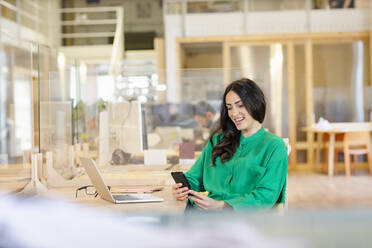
96	178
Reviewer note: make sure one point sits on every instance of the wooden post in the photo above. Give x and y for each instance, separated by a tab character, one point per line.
370	55
292	103
276	86
181	61
309	98
159	47
226	63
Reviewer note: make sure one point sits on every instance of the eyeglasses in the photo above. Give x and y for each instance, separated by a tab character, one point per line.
89	190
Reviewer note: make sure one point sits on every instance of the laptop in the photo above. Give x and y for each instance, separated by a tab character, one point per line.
103	191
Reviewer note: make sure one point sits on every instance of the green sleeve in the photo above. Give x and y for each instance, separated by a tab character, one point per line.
195	174
270	186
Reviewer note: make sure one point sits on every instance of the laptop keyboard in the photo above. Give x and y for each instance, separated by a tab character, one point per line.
125	197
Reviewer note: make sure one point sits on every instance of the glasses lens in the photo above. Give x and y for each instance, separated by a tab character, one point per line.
90	190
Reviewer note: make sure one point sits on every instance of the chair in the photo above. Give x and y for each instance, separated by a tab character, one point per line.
338	150
285	205
357	143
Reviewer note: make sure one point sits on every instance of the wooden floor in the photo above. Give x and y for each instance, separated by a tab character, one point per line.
316	190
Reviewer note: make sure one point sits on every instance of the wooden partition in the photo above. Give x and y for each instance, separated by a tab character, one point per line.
289	41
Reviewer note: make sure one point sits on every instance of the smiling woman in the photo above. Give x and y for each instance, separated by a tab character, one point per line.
242	166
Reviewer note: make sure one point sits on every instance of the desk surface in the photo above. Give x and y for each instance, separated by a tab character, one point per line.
169	206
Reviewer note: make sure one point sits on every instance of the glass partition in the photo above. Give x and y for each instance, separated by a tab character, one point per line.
18	86
341	78
89	106
73	97
89	90
204	78
202	85
267	66
59	96
103	106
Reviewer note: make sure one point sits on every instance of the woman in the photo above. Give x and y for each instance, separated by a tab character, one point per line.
242	166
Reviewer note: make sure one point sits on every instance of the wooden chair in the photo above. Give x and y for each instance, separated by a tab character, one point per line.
338	137
357	143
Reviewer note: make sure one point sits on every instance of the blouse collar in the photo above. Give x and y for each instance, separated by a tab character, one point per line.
258	134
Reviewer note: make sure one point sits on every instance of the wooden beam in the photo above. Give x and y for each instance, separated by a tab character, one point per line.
370	58
303	145
181	57
226	63
264	43
292	102
335	36
309	97
340	40
159	47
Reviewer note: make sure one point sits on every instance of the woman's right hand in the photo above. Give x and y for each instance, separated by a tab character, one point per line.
179	193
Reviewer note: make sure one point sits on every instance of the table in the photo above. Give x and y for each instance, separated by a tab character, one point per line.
332	130
168	206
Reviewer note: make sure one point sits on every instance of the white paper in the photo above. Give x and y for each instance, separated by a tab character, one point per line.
155	157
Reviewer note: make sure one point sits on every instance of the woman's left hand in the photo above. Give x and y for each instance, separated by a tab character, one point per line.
206	203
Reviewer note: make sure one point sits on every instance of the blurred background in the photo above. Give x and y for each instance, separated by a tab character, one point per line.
149	64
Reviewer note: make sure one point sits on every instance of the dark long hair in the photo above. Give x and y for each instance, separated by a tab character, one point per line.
254	101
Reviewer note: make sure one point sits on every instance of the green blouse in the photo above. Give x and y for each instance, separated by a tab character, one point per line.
254	177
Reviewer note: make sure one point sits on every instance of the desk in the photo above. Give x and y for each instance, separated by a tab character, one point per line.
170	205
15	173
334	128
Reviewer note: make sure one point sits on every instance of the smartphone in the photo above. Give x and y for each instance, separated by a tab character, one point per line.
179	177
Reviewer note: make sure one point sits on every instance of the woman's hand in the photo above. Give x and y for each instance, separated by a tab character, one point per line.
206	203
180	193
